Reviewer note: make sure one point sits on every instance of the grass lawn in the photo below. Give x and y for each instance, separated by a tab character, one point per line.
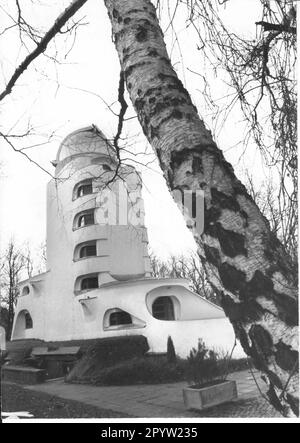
15	399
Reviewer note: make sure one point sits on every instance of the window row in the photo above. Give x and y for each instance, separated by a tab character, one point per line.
162	309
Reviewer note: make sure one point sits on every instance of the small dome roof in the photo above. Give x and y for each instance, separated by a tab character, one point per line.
85	141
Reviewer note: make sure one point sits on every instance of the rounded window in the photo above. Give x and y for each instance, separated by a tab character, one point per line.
28	321
89	283
120	318
25	290
89	250
106	167
83	188
163	309
117	319
86	218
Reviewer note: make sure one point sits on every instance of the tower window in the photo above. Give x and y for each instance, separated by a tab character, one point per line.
86	219
163	309
106	167
25	290
84	188
89	250
89	283
28	321
120	318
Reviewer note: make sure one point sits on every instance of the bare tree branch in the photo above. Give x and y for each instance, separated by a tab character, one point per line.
20	151
43	44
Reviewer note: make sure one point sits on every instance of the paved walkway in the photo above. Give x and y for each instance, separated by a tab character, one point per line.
163	401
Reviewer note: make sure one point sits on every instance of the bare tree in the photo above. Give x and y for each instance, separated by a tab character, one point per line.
187	267
28	262
16	263
160	268
4	317
42	258
13	263
261	76
267	199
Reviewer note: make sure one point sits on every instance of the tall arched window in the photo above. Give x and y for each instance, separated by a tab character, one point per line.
28	321
163	309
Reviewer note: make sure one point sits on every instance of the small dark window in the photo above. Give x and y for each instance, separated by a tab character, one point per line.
88	251
25	290
89	283
28	321
106	167
163	309
84	189
86	219
120	318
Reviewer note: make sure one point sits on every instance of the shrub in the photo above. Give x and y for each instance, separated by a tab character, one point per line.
146	370
235	365
108	352
205	365
171	354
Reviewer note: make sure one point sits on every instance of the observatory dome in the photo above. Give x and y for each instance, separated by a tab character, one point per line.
88	140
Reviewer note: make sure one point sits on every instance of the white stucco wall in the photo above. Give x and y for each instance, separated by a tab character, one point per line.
198	318
216	333
85	318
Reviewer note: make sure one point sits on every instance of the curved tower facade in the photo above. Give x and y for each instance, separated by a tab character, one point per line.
95	229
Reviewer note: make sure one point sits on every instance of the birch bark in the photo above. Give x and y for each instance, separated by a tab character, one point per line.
244	262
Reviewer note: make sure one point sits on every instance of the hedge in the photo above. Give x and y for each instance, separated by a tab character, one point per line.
108	352
143	370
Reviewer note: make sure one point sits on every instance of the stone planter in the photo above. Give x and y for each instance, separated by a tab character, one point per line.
207	397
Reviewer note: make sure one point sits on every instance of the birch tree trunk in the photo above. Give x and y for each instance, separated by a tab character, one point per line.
244	261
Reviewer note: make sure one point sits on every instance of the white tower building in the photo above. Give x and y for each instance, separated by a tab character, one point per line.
93	239
98	281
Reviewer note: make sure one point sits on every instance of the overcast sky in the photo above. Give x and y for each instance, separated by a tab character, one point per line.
57	99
